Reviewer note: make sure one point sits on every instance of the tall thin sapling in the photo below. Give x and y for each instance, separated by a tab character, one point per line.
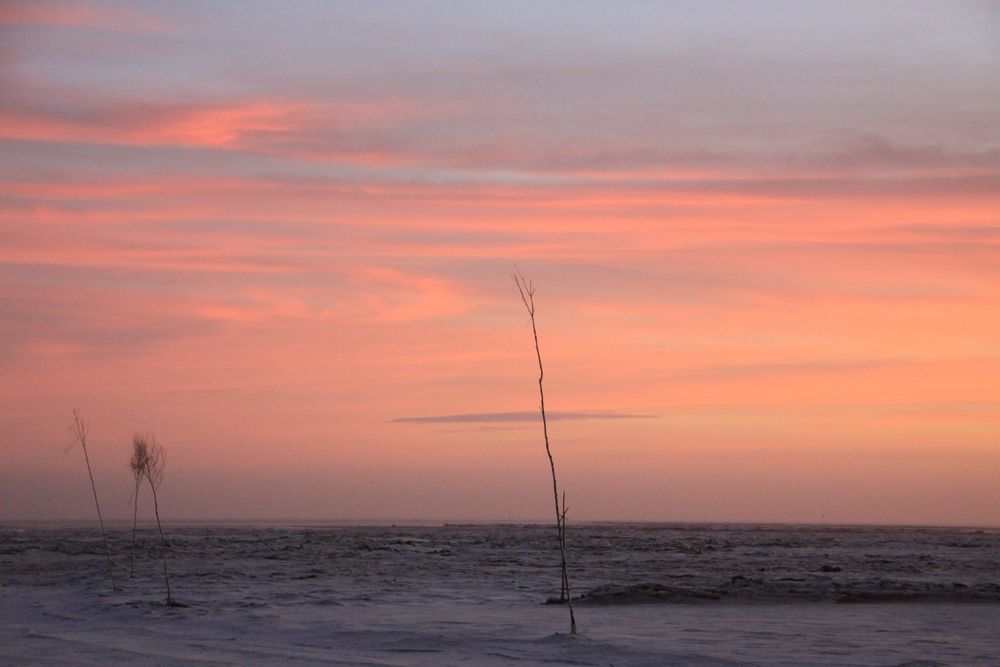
80	429
527	291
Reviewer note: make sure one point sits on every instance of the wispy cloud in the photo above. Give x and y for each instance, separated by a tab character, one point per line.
508	417
736	371
79	15
964	232
225	126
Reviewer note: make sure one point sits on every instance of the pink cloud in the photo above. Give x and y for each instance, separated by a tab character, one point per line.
209	126
391	295
79	15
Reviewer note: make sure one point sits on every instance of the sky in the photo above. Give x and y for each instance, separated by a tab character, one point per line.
764	238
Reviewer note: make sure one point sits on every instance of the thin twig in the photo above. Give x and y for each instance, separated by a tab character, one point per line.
163	542
527	291
80	429
135	520
138	463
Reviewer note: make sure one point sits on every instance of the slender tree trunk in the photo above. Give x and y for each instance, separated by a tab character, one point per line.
135	519
528	297
562	550
565	569
80	431
163	543
100	519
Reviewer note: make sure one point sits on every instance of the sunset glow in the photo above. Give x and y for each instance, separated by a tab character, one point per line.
765	239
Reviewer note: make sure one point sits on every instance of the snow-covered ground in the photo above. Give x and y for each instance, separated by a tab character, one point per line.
651	595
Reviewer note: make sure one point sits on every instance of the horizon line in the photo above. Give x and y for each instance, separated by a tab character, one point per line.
437	523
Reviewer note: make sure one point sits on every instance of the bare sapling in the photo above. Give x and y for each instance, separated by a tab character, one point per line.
80	429
138	464
153	462
527	291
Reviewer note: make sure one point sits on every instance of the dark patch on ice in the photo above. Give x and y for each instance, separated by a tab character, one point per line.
611	594
899	596
328	602
314	573
746	590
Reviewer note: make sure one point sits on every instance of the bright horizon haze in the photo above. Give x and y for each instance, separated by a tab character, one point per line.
765	239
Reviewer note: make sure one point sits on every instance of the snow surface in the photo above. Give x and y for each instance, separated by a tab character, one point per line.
648	595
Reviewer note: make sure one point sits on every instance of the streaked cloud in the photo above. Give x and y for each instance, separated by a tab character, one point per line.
88	15
985	232
507	417
764	370
214	126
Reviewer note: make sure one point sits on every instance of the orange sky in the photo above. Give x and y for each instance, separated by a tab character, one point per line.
765	239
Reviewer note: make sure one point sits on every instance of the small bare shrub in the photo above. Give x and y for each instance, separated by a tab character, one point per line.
138	465
148	461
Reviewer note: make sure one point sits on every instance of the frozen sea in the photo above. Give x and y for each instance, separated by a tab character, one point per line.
475	594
